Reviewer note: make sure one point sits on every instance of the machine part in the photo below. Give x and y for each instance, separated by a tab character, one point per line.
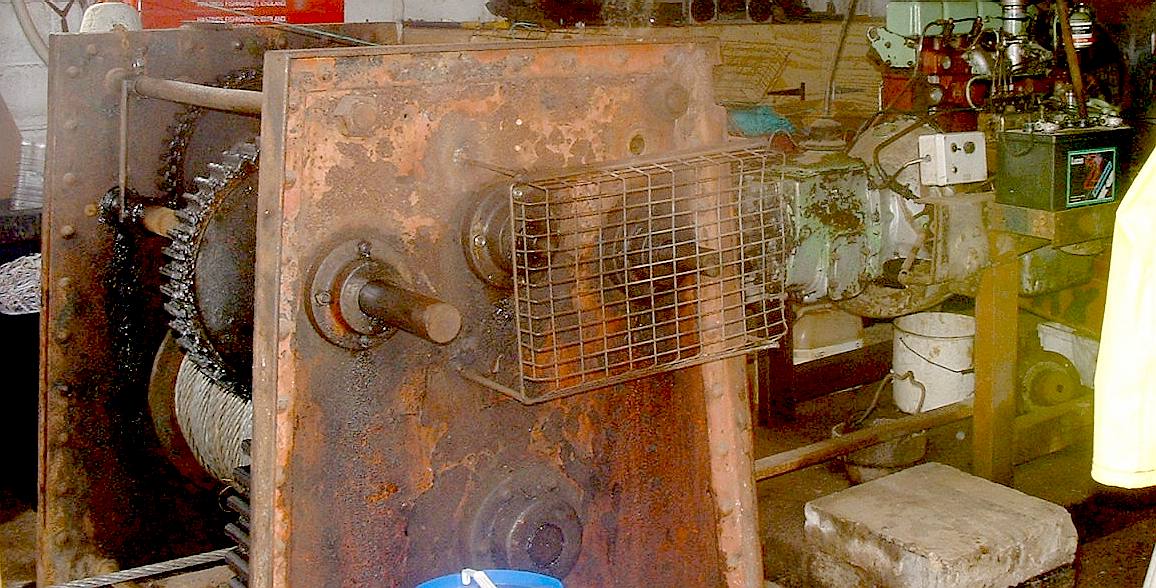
1061	228
1048	269
960	249
953	158
165	568
1063	14
358	457
243	101
162	407
210	286
832	227
908	21
640	267
213	421
102	461
1060	170
357	301
882	302
529	521
888	147
184	154
486	238
1046	378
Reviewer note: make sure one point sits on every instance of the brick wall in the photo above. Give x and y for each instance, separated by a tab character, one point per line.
23	77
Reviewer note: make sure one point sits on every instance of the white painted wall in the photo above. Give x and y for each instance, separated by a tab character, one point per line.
23	78
427	10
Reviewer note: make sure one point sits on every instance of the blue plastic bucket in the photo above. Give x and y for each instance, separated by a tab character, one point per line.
503	579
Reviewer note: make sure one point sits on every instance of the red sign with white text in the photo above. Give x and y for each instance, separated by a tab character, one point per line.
167	14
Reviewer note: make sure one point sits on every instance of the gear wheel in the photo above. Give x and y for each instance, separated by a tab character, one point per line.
210	272
186	144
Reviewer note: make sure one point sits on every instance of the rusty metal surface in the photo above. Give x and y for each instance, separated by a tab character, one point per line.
1063	227
109	497
372	466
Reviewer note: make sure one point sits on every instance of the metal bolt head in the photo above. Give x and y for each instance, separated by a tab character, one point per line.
356	115
68	231
364	249
479	240
323	298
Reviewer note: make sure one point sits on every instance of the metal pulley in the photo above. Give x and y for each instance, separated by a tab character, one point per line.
360	299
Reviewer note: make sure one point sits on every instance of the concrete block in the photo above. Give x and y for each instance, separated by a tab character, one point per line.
933	526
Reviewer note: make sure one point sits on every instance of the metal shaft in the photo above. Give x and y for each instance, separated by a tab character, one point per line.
244	101
409	311
1073	58
815	453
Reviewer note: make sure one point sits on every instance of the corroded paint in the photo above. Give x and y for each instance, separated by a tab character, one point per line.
372	465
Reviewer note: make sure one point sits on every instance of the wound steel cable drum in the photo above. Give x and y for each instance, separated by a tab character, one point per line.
213	420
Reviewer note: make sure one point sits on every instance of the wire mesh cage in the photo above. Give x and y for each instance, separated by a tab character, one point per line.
748	72
626	270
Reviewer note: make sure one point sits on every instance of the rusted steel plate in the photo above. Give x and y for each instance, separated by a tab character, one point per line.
385	467
108	496
1063	227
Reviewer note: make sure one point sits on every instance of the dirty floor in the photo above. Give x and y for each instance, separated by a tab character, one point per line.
1116	527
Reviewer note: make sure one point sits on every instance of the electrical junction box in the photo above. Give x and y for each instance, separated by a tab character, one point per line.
952	158
1064	169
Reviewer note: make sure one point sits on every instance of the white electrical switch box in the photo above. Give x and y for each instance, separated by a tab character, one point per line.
952	158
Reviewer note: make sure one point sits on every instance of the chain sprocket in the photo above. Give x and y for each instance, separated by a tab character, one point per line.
210	272
171	175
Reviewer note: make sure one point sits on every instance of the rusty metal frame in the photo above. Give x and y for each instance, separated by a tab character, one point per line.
355	452
108	495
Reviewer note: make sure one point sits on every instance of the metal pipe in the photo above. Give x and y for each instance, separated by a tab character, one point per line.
1073	58
829	95
816	453
243	101
409	311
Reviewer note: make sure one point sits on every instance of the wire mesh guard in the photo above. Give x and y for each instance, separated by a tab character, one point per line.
628	270
748	72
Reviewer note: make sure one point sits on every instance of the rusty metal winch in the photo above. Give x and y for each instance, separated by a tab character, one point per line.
499	297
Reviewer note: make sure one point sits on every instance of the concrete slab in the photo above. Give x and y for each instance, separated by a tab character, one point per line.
933	526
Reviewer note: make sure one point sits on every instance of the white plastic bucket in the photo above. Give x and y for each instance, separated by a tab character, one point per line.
937	349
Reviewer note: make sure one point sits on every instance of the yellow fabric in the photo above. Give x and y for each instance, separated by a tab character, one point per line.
1124	450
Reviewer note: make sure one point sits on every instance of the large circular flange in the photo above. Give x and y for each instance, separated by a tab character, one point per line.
529	521
544	536
486	239
331	301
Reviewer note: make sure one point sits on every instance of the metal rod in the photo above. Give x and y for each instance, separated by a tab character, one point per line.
1073	59
816	453
122	153
829	94
243	101
409	311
